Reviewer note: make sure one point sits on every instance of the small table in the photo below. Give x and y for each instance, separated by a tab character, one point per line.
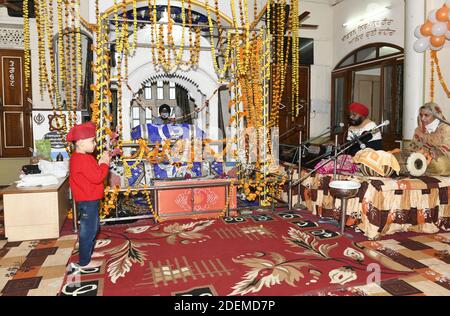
344	190
35	212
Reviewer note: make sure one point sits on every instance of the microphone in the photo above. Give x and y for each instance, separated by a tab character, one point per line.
337	129
356	138
336	126
385	123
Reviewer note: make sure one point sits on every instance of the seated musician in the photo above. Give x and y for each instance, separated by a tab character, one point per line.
432	138
359	124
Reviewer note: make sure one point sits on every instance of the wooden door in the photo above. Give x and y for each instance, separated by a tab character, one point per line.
340	98
15	110
392	100
286	122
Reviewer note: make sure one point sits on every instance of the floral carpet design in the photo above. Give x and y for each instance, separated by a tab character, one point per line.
282	253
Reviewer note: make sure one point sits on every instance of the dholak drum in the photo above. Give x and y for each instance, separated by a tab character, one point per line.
411	163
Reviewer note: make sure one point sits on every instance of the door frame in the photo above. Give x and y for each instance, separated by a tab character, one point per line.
347	72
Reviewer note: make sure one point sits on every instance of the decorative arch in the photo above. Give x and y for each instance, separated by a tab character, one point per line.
380	51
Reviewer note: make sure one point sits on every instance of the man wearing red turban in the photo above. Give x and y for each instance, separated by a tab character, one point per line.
359	123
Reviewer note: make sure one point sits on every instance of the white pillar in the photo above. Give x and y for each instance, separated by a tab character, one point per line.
414	68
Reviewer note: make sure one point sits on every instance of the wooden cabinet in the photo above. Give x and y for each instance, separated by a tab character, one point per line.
35	213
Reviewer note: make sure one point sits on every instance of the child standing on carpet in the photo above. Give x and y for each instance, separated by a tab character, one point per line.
86	179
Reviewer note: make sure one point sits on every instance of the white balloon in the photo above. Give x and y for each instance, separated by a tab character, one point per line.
417	32
447	3
432	16
422	44
439	28
447	35
436	48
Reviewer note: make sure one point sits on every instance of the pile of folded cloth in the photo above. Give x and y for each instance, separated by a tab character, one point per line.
50	173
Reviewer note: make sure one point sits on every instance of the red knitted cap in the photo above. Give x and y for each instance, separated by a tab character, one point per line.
359	108
81	131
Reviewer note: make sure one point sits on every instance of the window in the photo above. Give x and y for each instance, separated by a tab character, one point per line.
387	50
160	90
152	95
135	115
339	100
369	53
171	90
148	115
366	54
148	93
348	61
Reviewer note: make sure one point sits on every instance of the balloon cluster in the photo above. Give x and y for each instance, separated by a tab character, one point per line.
435	31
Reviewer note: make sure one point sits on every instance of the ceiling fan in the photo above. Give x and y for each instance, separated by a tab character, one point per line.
303	17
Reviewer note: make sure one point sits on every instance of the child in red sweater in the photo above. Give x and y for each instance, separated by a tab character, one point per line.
86	179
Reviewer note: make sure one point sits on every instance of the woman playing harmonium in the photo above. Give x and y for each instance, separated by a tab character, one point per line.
432	138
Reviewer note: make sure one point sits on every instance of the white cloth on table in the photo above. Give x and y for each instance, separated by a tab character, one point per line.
58	169
34	180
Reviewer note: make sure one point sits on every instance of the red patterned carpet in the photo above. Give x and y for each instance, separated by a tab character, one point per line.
273	254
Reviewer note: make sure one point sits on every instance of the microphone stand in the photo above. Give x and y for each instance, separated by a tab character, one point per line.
337	153
290	130
299	205
335	156
326	153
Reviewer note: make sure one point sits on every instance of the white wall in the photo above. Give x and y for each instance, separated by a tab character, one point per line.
322	15
332	42
444	59
371	30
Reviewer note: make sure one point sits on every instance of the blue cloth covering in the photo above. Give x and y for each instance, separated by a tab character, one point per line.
157	133
167	171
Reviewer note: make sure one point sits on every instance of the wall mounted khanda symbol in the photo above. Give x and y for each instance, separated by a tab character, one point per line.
39	119
56	122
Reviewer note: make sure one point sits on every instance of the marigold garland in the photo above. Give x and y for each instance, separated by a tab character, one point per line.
245	61
439	73
26	40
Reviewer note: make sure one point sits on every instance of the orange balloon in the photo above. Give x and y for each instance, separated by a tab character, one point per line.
425	29
442	14
437	41
448	25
